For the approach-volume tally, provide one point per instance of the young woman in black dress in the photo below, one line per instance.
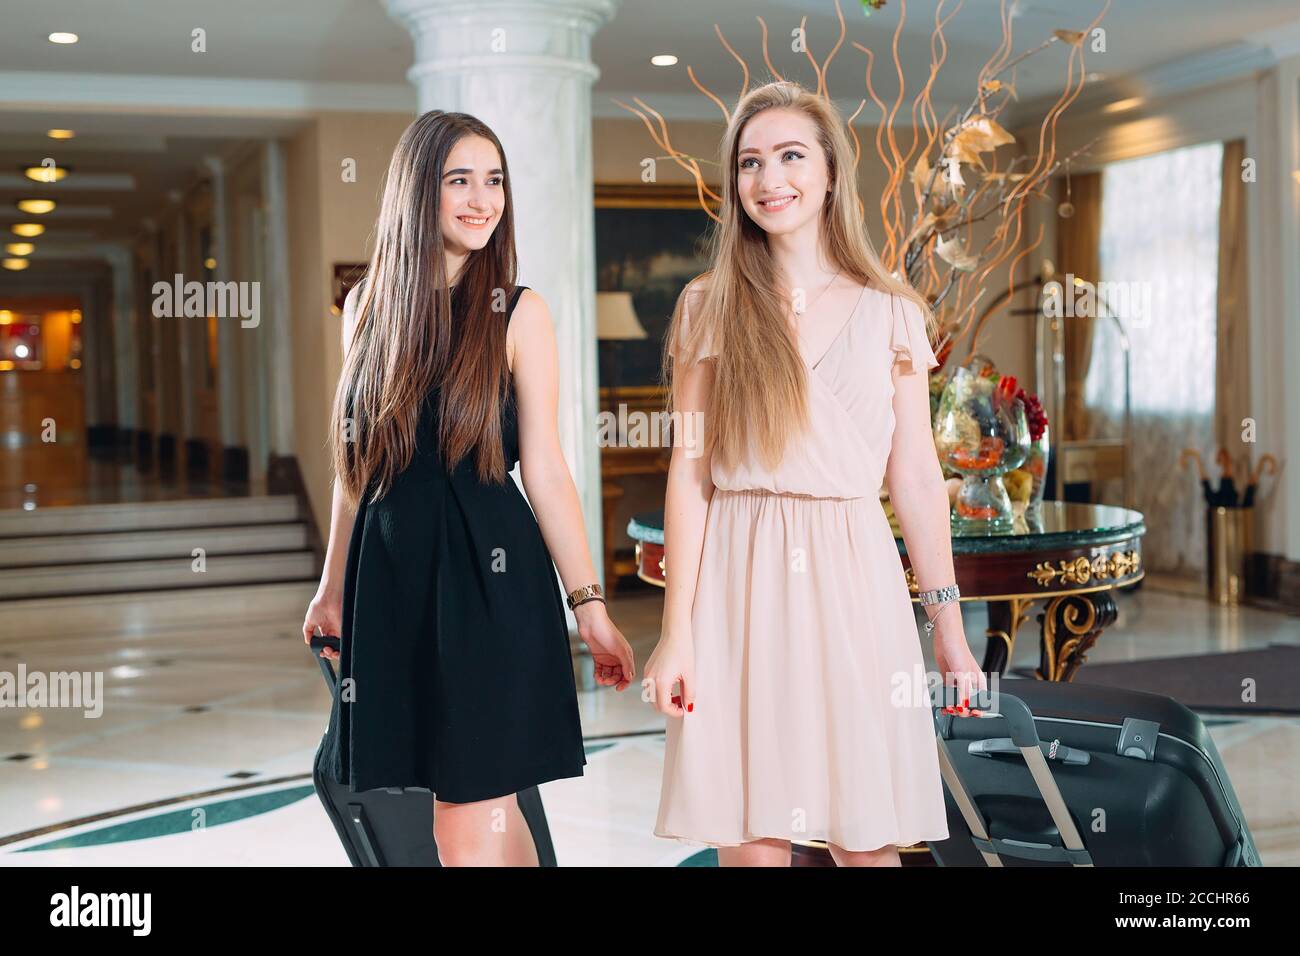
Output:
(455, 671)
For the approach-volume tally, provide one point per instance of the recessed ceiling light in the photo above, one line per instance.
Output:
(1120, 106)
(663, 59)
(28, 230)
(60, 134)
(45, 174)
(63, 38)
(15, 265)
(37, 207)
(1095, 77)
(20, 248)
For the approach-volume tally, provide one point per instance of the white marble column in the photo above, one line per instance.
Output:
(275, 299)
(230, 395)
(125, 344)
(525, 70)
(187, 334)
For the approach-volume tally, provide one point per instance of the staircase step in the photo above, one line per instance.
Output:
(155, 574)
(108, 546)
(145, 515)
(131, 613)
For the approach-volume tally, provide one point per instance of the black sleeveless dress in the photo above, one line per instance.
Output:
(454, 636)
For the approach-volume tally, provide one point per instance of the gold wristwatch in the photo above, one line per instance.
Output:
(588, 592)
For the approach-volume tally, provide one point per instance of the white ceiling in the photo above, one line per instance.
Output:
(142, 102)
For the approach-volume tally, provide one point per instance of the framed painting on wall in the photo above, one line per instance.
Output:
(346, 275)
(650, 242)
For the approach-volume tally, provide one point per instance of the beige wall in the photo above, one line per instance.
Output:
(330, 221)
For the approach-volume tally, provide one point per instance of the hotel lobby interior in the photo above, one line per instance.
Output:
(1101, 201)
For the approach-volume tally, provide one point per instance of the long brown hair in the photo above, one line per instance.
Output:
(413, 334)
(760, 380)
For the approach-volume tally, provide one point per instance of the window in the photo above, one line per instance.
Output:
(1159, 251)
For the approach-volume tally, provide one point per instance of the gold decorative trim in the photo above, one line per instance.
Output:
(1116, 565)
(639, 195)
(1019, 614)
(1064, 653)
(1039, 595)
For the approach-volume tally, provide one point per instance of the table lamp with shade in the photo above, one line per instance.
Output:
(616, 322)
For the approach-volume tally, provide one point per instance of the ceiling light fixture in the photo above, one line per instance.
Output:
(663, 59)
(59, 37)
(60, 133)
(45, 174)
(37, 207)
(15, 265)
(28, 230)
(20, 248)
(1120, 106)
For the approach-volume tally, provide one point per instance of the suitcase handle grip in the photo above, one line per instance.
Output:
(321, 641)
(1019, 718)
(1024, 737)
(1005, 745)
(318, 643)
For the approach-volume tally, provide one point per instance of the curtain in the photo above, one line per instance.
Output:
(1160, 248)
(1232, 379)
(1077, 240)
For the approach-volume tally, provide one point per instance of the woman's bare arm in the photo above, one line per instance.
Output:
(531, 350)
(325, 613)
(542, 466)
(686, 503)
(918, 493)
(341, 516)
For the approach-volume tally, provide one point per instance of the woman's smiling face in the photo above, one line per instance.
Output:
(781, 173)
(473, 195)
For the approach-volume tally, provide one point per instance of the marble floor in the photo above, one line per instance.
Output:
(213, 710)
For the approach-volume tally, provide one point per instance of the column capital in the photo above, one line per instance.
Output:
(538, 36)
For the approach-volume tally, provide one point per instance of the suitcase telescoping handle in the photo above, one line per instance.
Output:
(1024, 737)
(318, 643)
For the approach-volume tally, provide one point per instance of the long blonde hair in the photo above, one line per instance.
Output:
(760, 379)
(414, 335)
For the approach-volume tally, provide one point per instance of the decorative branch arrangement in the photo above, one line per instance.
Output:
(947, 179)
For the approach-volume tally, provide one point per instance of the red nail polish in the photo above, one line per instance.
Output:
(677, 700)
(690, 708)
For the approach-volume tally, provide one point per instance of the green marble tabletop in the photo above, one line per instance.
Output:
(1056, 524)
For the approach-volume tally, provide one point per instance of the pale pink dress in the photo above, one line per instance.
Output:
(808, 724)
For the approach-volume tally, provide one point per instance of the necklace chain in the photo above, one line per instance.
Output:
(819, 295)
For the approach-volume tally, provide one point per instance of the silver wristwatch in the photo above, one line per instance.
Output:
(940, 595)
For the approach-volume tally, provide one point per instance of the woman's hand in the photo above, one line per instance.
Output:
(326, 613)
(958, 668)
(673, 661)
(609, 649)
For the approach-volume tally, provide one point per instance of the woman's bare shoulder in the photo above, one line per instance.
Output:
(529, 324)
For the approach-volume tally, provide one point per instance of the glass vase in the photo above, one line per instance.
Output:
(980, 433)
(1036, 464)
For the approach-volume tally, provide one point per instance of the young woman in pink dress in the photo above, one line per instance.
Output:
(803, 712)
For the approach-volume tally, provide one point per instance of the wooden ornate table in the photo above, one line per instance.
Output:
(1071, 556)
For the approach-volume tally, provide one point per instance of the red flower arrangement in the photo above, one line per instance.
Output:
(1034, 413)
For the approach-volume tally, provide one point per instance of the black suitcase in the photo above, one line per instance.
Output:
(394, 826)
(1084, 775)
